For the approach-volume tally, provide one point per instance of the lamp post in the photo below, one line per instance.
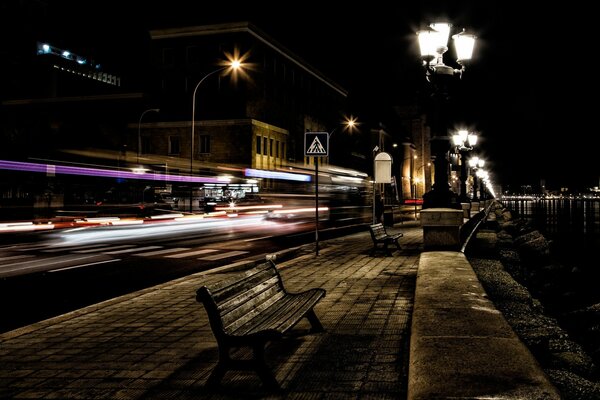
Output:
(415, 183)
(463, 142)
(232, 65)
(433, 43)
(476, 164)
(483, 183)
(139, 138)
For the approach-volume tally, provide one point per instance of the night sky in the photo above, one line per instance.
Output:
(530, 90)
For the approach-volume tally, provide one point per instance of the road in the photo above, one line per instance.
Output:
(55, 272)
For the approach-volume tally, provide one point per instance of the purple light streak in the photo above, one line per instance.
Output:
(107, 173)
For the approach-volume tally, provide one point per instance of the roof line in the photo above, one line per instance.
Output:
(257, 33)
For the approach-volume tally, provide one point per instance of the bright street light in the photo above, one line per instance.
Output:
(232, 65)
(433, 44)
(463, 142)
(476, 164)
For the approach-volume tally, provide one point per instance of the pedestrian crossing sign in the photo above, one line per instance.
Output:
(316, 144)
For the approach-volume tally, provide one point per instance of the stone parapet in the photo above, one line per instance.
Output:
(441, 228)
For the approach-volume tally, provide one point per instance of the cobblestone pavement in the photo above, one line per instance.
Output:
(157, 343)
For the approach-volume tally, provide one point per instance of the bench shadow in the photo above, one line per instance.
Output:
(349, 365)
(189, 380)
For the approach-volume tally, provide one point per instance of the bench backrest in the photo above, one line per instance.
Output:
(377, 231)
(233, 302)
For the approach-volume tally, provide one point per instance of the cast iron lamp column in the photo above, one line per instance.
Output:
(433, 44)
(232, 65)
(475, 163)
(459, 140)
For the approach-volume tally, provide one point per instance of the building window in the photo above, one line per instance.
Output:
(271, 147)
(283, 150)
(204, 143)
(277, 149)
(265, 144)
(173, 144)
(258, 145)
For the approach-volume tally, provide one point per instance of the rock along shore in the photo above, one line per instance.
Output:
(538, 297)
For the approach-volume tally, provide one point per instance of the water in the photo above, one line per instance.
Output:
(573, 224)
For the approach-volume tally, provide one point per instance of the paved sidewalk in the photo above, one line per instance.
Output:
(157, 344)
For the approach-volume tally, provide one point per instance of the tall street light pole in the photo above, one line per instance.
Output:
(464, 142)
(139, 136)
(233, 65)
(433, 43)
(476, 164)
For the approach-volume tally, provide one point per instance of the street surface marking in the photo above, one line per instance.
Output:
(192, 253)
(159, 252)
(223, 255)
(85, 265)
(39, 264)
(16, 257)
(131, 250)
(66, 248)
(123, 246)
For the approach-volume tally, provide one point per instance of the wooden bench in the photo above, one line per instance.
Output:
(381, 239)
(251, 309)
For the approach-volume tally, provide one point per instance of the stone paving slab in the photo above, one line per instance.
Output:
(157, 343)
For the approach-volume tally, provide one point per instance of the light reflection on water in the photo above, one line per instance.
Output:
(573, 224)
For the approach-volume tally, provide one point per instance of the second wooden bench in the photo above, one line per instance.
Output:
(381, 239)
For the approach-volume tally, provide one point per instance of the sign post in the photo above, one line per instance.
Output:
(316, 144)
(383, 174)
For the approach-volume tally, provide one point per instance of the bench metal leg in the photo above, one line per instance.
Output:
(222, 366)
(398, 245)
(314, 322)
(262, 368)
(257, 364)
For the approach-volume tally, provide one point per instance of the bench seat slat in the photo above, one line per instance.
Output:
(283, 314)
(241, 276)
(247, 294)
(221, 296)
(287, 317)
(250, 310)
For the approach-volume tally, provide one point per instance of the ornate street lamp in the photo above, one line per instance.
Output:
(433, 43)
(463, 142)
(476, 164)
